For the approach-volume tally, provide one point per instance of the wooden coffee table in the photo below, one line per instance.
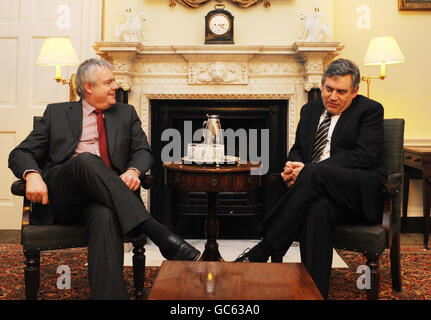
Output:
(183, 280)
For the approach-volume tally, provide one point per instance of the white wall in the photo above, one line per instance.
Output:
(275, 25)
(26, 89)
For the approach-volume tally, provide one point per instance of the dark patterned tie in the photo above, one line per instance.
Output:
(321, 138)
(101, 131)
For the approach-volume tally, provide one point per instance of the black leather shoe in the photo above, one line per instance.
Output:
(180, 250)
(243, 256)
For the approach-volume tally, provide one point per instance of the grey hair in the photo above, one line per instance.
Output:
(343, 67)
(85, 73)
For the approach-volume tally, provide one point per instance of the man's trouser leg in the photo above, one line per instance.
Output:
(338, 185)
(316, 240)
(105, 253)
(84, 190)
(321, 197)
(86, 178)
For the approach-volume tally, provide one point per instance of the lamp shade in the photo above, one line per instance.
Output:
(383, 50)
(57, 52)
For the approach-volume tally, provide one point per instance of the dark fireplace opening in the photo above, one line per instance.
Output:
(239, 213)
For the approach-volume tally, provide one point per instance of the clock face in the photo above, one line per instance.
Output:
(219, 24)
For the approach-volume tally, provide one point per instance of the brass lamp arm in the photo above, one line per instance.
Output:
(365, 78)
(62, 80)
(73, 96)
(368, 81)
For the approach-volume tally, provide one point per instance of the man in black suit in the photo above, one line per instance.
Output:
(334, 174)
(82, 164)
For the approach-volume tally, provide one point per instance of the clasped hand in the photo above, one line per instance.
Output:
(291, 171)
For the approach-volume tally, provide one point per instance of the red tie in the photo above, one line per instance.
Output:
(101, 131)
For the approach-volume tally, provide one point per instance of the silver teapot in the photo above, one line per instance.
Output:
(213, 133)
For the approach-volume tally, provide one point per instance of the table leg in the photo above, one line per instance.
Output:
(211, 252)
(426, 206)
(405, 201)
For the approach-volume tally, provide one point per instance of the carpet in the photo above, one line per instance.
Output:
(12, 274)
(415, 275)
(415, 268)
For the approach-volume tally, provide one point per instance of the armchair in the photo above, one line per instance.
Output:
(35, 239)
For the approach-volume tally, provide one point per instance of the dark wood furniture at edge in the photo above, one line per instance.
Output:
(211, 179)
(181, 280)
(417, 165)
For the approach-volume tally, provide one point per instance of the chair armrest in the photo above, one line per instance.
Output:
(275, 179)
(392, 185)
(18, 188)
(147, 181)
(390, 190)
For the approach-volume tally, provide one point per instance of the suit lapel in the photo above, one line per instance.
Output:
(340, 123)
(74, 118)
(111, 124)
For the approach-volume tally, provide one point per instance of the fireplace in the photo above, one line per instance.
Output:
(239, 213)
(218, 77)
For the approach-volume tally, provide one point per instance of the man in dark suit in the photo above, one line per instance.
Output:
(334, 174)
(82, 164)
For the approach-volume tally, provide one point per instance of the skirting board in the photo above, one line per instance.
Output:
(229, 250)
(417, 142)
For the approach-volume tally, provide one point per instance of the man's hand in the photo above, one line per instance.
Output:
(35, 188)
(291, 171)
(131, 179)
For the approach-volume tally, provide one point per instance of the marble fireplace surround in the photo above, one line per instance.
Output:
(218, 72)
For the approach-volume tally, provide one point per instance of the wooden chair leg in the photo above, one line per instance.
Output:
(32, 274)
(374, 264)
(139, 269)
(396, 263)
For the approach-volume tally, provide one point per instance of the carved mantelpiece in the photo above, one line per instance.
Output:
(316, 56)
(218, 72)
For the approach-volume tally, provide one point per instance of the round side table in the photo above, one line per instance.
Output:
(211, 179)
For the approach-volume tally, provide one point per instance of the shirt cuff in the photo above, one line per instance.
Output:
(134, 169)
(28, 171)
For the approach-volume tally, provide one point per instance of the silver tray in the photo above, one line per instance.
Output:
(228, 160)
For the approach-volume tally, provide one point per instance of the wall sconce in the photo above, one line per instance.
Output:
(59, 52)
(382, 51)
